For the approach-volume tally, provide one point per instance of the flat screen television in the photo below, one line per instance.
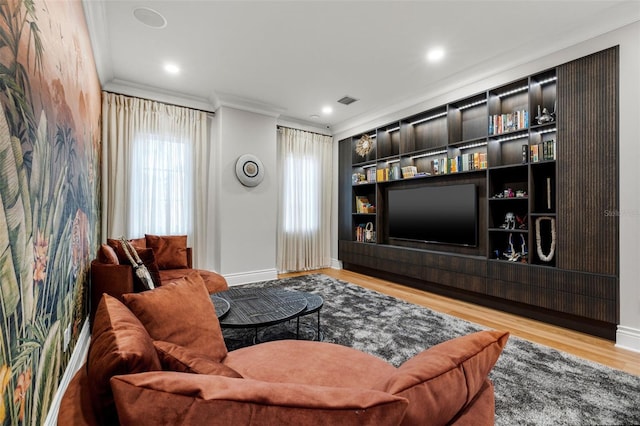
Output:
(434, 214)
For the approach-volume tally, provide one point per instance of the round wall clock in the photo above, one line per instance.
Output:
(249, 170)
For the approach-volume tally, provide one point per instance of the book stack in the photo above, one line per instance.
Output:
(503, 123)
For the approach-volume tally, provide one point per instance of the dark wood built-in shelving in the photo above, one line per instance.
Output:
(555, 174)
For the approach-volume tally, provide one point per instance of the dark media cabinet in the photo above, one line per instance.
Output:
(490, 140)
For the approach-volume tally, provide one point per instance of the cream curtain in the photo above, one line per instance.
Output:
(155, 171)
(305, 171)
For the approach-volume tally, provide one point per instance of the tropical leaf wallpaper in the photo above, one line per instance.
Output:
(49, 196)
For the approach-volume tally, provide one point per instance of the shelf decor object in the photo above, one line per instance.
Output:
(364, 146)
(552, 248)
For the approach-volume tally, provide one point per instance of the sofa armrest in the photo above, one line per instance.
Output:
(115, 280)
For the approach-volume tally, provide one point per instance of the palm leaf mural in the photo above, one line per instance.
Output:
(14, 223)
(48, 218)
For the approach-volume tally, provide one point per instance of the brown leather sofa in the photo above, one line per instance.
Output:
(112, 274)
(155, 360)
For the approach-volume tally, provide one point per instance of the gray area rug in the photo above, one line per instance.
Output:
(534, 384)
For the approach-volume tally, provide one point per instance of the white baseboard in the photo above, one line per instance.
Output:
(75, 362)
(251, 277)
(336, 264)
(628, 338)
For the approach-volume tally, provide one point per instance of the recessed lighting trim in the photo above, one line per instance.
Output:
(149, 17)
(327, 110)
(314, 116)
(172, 68)
(435, 55)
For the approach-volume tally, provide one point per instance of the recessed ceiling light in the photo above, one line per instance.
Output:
(149, 17)
(171, 68)
(327, 110)
(435, 54)
(314, 116)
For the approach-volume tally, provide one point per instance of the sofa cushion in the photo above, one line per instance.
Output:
(178, 358)
(329, 365)
(179, 398)
(180, 313)
(212, 280)
(119, 345)
(440, 381)
(170, 250)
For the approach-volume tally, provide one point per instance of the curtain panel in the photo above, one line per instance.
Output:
(155, 171)
(305, 170)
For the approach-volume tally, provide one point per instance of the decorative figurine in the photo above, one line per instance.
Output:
(509, 221)
(522, 222)
(544, 117)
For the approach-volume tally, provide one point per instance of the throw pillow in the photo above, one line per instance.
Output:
(119, 345)
(170, 250)
(180, 313)
(441, 380)
(146, 255)
(184, 360)
(108, 255)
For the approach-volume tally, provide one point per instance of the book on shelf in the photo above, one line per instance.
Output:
(364, 235)
(502, 123)
(371, 174)
(460, 163)
(382, 175)
(543, 151)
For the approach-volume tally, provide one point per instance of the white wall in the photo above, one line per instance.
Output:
(245, 216)
(628, 38)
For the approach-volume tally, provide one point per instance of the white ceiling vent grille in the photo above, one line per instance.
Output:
(347, 100)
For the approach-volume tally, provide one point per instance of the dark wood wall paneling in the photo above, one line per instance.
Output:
(587, 164)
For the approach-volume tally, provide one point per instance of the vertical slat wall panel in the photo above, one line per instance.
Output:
(587, 162)
(344, 199)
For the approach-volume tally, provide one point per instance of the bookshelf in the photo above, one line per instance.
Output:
(544, 247)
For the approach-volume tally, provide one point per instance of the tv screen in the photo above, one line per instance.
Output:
(434, 214)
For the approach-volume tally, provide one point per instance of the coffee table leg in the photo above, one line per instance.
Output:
(298, 328)
(319, 325)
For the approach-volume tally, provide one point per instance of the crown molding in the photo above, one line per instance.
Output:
(157, 94)
(220, 99)
(295, 123)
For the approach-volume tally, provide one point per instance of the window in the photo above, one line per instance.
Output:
(160, 193)
(301, 194)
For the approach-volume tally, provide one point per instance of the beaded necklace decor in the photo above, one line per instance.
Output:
(552, 248)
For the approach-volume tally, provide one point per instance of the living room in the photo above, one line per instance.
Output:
(244, 250)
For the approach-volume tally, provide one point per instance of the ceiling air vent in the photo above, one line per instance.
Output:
(347, 100)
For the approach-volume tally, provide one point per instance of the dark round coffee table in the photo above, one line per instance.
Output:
(314, 304)
(260, 307)
(221, 306)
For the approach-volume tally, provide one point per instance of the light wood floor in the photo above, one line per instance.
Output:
(582, 345)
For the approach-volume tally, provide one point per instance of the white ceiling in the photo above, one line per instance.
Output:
(291, 58)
